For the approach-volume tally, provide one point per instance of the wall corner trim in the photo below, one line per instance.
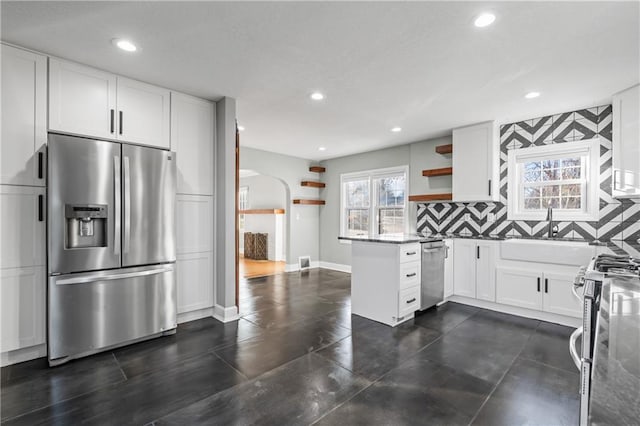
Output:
(227, 314)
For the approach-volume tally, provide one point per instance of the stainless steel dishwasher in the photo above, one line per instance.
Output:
(432, 282)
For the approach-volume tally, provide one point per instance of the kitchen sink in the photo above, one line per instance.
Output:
(547, 251)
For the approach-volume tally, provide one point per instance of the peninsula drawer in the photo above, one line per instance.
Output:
(409, 274)
(408, 301)
(409, 253)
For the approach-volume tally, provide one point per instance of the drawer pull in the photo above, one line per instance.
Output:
(410, 253)
(411, 300)
(413, 274)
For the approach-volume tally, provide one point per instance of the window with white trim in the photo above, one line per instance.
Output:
(562, 176)
(374, 202)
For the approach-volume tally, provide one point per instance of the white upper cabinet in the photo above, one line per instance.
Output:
(192, 138)
(89, 102)
(143, 113)
(476, 163)
(82, 100)
(24, 117)
(626, 143)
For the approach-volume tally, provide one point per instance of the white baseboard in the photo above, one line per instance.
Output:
(521, 312)
(336, 266)
(21, 355)
(293, 267)
(195, 315)
(227, 314)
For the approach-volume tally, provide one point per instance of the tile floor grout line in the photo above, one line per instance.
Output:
(115, 358)
(214, 353)
(493, 390)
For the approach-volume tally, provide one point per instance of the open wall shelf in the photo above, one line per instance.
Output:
(262, 211)
(309, 202)
(317, 169)
(444, 149)
(438, 172)
(431, 197)
(312, 184)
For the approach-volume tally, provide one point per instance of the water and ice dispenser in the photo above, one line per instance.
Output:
(86, 225)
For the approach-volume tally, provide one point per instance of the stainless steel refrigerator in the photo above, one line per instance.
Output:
(111, 245)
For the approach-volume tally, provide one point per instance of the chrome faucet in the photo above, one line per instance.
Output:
(552, 230)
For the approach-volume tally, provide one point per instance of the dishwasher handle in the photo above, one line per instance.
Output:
(572, 347)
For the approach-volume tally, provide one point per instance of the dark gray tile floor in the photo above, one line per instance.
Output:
(298, 356)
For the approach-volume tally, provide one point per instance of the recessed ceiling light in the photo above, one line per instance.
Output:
(396, 129)
(317, 96)
(532, 95)
(484, 20)
(125, 45)
(322, 148)
(241, 128)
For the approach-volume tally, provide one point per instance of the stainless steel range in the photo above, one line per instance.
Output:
(610, 337)
(111, 245)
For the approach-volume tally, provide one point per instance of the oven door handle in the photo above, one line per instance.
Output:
(574, 290)
(572, 347)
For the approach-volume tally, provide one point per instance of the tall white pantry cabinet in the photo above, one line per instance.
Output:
(22, 204)
(193, 139)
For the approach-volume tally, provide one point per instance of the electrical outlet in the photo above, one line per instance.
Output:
(467, 217)
(491, 217)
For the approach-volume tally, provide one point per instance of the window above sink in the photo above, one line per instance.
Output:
(563, 176)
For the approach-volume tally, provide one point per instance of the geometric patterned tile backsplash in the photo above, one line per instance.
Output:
(619, 220)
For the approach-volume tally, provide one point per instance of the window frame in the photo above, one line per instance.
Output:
(242, 189)
(589, 148)
(370, 176)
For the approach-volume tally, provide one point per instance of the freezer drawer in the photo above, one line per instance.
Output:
(89, 312)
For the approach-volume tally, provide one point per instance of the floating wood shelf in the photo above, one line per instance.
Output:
(431, 197)
(309, 202)
(438, 172)
(262, 211)
(312, 184)
(444, 149)
(317, 169)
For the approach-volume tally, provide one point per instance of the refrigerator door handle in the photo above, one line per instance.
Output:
(115, 276)
(116, 205)
(127, 206)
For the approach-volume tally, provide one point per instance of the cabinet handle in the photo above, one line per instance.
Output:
(411, 300)
(538, 284)
(120, 121)
(40, 165)
(410, 253)
(40, 208)
(546, 285)
(489, 186)
(112, 126)
(478, 252)
(413, 274)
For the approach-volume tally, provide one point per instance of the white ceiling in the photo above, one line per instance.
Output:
(421, 66)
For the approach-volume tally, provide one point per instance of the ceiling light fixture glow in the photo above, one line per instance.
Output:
(241, 128)
(484, 20)
(322, 148)
(317, 96)
(396, 129)
(125, 45)
(532, 95)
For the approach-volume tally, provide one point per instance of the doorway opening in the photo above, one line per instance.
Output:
(261, 219)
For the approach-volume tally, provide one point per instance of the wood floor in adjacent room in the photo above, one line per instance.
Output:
(250, 268)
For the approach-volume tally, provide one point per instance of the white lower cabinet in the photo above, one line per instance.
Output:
(537, 289)
(22, 307)
(474, 269)
(385, 281)
(195, 281)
